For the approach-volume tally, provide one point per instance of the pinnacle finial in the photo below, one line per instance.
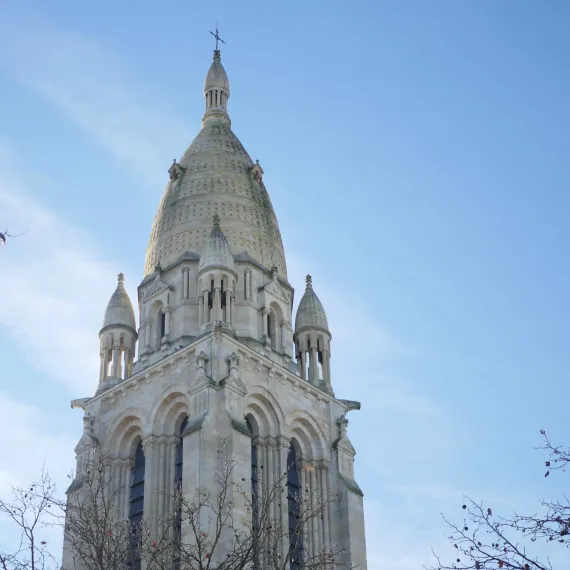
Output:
(121, 278)
(216, 224)
(309, 282)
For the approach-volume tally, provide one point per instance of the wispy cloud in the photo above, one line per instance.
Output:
(92, 86)
(55, 285)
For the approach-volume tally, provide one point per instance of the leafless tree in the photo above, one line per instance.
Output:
(5, 235)
(484, 540)
(230, 527)
(237, 528)
(31, 510)
(98, 535)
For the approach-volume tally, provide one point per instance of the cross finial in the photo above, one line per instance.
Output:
(217, 36)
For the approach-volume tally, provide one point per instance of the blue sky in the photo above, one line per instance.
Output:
(416, 156)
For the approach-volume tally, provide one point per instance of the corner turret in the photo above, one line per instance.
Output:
(312, 339)
(117, 338)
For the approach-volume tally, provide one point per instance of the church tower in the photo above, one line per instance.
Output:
(219, 361)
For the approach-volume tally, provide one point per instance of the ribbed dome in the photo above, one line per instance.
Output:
(215, 176)
(311, 313)
(217, 78)
(217, 252)
(120, 310)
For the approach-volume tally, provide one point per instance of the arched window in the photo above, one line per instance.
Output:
(294, 507)
(136, 501)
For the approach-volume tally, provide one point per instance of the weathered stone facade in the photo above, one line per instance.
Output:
(216, 347)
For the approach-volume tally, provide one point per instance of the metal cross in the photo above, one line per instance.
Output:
(217, 36)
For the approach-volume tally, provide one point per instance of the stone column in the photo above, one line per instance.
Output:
(303, 496)
(282, 346)
(325, 500)
(167, 317)
(313, 525)
(217, 305)
(142, 338)
(129, 464)
(171, 458)
(233, 310)
(329, 536)
(102, 368)
(115, 365)
(303, 360)
(206, 309)
(161, 485)
(200, 310)
(227, 316)
(271, 476)
(149, 447)
(313, 366)
(284, 445)
(147, 336)
(129, 363)
(117, 467)
(264, 313)
(185, 283)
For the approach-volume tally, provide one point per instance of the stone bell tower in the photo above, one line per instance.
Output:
(218, 356)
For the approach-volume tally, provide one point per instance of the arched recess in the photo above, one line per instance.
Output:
(159, 323)
(124, 434)
(169, 410)
(265, 410)
(309, 434)
(274, 320)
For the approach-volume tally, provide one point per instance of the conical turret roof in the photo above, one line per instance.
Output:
(120, 309)
(311, 313)
(217, 78)
(217, 252)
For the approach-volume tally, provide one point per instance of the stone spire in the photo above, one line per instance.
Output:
(311, 313)
(120, 309)
(217, 252)
(216, 92)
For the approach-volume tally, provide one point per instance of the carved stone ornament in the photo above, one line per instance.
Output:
(234, 377)
(256, 172)
(175, 171)
(201, 361)
(155, 287)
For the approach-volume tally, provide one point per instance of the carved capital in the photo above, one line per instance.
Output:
(149, 442)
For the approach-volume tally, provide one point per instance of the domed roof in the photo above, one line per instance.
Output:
(215, 176)
(217, 251)
(120, 310)
(311, 313)
(217, 78)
